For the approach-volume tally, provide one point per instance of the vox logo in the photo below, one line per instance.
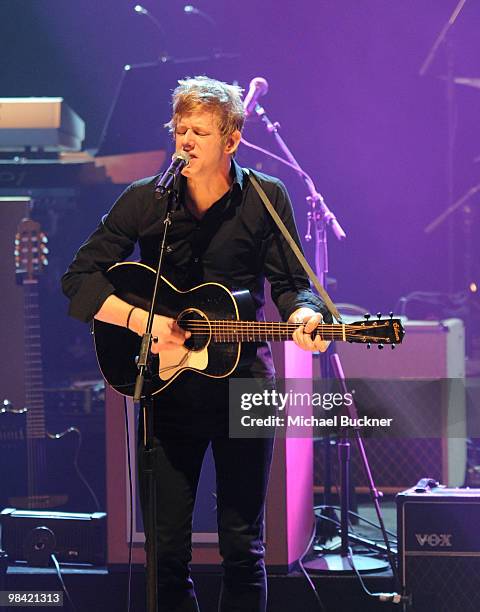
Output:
(434, 539)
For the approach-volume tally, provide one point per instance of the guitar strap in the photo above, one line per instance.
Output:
(293, 245)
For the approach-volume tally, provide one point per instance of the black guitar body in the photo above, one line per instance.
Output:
(117, 347)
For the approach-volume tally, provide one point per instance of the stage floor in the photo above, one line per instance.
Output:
(105, 589)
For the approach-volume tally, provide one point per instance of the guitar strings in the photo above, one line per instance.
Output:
(325, 337)
(266, 325)
(251, 334)
(35, 416)
(224, 328)
(258, 327)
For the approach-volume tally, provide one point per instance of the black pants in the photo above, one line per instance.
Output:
(242, 468)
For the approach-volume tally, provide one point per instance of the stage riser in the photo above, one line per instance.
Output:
(101, 592)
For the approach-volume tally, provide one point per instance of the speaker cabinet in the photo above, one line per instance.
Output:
(439, 549)
(32, 535)
(421, 384)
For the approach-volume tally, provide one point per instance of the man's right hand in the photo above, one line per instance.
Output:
(166, 333)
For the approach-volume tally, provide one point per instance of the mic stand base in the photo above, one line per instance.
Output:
(338, 564)
(327, 529)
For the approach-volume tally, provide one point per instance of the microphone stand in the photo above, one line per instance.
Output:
(322, 218)
(143, 380)
(319, 213)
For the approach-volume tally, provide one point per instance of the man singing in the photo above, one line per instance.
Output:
(220, 232)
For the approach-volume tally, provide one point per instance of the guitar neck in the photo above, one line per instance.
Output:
(34, 390)
(261, 331)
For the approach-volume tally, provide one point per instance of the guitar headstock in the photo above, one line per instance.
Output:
(30, 250)
(382, 332)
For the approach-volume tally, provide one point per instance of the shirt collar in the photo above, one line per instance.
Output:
(238, 182)
(238, 174)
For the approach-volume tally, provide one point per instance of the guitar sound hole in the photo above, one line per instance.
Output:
(196, 322)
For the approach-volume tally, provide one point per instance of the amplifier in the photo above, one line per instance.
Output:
(31, 536)
(414, 392)
(439, 548)
(86, 399)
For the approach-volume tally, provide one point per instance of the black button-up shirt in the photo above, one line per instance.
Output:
(235, 243)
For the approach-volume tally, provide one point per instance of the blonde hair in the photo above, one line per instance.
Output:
(209, 94)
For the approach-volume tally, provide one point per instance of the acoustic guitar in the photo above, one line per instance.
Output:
(222, 325)
(38, 469)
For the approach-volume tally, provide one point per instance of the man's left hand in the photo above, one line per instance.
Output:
(309, 320)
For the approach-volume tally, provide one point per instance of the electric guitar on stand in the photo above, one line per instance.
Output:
(222, 326)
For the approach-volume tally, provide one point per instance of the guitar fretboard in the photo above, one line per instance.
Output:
(34, 391)
(261, 331)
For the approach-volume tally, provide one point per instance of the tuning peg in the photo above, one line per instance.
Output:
(393, 346)
(369, 346)
(379, 315)
(380, 346)
(367, 315)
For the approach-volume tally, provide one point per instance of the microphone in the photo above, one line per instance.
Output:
(258, 87)
(180, 160)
